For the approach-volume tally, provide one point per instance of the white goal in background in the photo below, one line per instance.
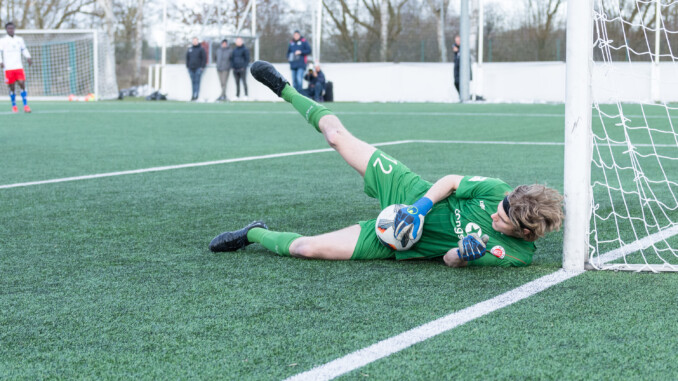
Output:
(68, 62)
(621, 153)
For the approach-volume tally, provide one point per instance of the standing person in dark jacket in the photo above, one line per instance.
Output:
(316, 83)
(297, 53)
(223, 59)
(457, 63)
(240, 58)
(457, 53)
(196, 60)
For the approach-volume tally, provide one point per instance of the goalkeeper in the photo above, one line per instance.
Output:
(455, 211)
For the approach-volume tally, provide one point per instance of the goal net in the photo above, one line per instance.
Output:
(634, 156)
(68, 62)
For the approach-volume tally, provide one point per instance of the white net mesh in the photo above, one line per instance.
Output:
(634, 172)
(64, 64)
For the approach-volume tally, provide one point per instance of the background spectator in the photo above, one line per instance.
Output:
(297, 55)
(196, 60)
(223, 59)
(240, 58)
(457, 53)
(316, 83)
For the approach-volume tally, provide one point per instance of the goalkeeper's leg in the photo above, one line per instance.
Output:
(337, 245)
(355, 152)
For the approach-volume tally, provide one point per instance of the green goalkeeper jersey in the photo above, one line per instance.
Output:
(468, 211)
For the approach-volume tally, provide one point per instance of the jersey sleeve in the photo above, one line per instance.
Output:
(24, 50)
(482, 187)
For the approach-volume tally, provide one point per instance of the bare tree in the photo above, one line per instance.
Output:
(106, 9)
(542, 19)
(109, 18)
(346, 29)
(139, 40)
(383, 10)
(381, 20)
(438, 8)
(632, 32)
(275, 23)
(45, 14)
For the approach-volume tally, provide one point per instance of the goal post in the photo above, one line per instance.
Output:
(577, 169)
(68, 62)
(621, 136)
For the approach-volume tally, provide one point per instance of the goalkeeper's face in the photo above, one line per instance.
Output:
(501, 222)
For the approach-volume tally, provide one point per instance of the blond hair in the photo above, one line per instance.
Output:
(536, 208)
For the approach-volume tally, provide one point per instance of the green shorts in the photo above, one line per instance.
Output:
(390, 182)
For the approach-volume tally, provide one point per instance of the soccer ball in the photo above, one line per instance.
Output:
(385, 228)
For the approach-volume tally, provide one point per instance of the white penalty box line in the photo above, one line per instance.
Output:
(252, 158)
(397, 343)
(278, 155)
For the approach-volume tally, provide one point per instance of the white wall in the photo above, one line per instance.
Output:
(433, 82)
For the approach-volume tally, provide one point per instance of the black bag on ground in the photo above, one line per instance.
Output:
(156, 96)
(329, 92)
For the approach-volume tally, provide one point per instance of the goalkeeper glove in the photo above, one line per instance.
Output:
(472, 247)
(409, 219)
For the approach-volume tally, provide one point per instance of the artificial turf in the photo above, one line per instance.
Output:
(111, 278)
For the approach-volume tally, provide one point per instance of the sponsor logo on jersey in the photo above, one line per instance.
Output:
(472, 227)
(498, 252)
(457, 229)
(477, 178)
(482, 204)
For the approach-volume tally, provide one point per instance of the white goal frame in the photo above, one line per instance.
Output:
(578, 190)
(578, 146)
(97, 59)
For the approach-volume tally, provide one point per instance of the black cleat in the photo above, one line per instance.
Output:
(265, 73)
(235, 240)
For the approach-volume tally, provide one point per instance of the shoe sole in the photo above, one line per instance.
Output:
(260, 70)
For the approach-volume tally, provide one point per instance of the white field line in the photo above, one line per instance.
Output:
(254, 112)
(416, 335)
(250, 158)
(284, 154)
(638, 245)
(364, 113)
(164, 168)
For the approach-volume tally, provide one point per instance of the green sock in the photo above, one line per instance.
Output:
(308, 108)
(278, 242)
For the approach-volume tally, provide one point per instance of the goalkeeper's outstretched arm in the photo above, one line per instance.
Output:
(409, 219)
(443, 188)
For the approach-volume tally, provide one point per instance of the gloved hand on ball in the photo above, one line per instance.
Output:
(472, 247)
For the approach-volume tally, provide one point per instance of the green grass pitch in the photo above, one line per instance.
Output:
(111, 278)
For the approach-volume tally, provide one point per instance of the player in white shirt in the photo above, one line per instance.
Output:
(11, 49)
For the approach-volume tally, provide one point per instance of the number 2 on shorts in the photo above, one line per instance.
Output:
(390, 167)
